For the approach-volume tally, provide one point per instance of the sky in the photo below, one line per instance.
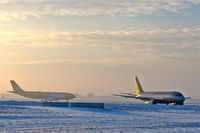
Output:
(92, 46)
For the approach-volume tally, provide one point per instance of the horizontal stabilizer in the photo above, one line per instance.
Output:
(127, 93)
(126, 96)
(11, 91)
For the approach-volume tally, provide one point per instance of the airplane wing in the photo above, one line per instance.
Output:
(51, 99)
(130, 95)
(11, 91)
(54, 97)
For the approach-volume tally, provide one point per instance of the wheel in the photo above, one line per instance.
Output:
(154, 102)
(181, 103)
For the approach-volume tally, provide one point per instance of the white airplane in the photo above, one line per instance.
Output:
(45, 96)
(154, 97)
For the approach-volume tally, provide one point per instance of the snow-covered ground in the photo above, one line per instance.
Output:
(116, 117)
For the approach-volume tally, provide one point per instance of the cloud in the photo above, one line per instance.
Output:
(104, 61)
(22, 9)
(143, 42)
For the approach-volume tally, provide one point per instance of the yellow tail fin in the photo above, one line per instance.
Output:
(138, 87)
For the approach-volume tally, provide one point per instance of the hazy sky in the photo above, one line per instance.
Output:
(98, 46)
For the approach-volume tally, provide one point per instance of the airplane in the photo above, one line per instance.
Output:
(154, 97)
(44, 96)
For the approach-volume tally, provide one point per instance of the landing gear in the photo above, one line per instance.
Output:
(181, 103)
(154, 102)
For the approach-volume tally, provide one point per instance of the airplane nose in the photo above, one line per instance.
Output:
(183, 98)
(72, 96)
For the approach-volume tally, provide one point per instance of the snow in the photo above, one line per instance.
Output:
(114, 118)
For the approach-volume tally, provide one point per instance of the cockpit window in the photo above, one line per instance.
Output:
(179, 94)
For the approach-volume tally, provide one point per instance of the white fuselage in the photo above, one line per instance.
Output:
(162, 97)
(49, 96)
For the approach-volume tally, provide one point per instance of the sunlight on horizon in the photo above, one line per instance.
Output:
(99, 46)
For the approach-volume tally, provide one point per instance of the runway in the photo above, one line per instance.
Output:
(114, 118)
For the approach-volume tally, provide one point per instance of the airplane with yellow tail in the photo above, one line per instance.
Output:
(165, 97)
